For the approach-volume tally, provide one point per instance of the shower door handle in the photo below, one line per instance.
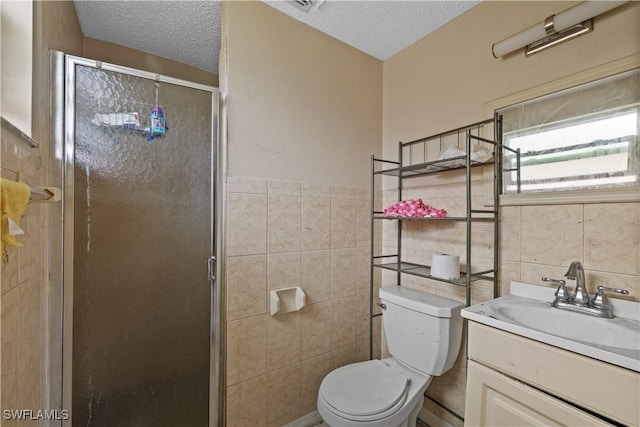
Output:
(211, 268)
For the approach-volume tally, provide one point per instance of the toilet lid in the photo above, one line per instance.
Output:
(365, 389)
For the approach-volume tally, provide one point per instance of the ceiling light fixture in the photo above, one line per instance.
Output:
(559, 37)
(555, 29)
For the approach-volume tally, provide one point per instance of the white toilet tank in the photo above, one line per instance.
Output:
(422, 330)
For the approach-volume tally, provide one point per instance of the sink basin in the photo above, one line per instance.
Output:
(617, 332)
(527, 312)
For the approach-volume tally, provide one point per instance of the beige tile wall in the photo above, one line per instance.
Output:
(535, 241)
(23, 311)
(283, 234)
(604, 237)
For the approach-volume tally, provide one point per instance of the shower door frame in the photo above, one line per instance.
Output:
(62, 157)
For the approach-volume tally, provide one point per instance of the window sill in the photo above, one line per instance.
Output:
(607, 195)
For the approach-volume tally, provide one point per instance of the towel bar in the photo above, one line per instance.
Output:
(45, 194)
(42, 194)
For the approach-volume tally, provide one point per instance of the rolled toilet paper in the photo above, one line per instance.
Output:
(445, 266)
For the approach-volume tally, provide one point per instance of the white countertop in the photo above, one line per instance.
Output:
(570, 331)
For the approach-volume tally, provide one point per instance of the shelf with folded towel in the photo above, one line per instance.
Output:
(450, 158)
(433, 167)
(45, 194)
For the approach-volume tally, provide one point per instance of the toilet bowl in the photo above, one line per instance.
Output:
(423, 333)
(375, 393)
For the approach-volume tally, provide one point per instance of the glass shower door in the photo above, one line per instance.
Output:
(143, 234)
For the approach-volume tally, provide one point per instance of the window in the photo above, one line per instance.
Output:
(585, 137)
(16, 41)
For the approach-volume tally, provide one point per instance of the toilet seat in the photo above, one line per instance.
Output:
(365, 391)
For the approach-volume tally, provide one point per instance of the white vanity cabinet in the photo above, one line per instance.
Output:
(516, 381)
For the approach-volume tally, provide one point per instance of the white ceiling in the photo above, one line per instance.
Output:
(189, 31)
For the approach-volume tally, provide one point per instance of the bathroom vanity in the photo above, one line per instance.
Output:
(526, 368)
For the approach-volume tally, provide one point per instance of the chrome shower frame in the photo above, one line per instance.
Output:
(60, 298)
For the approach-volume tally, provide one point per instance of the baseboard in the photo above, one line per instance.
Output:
(310, 419)
(431, 419)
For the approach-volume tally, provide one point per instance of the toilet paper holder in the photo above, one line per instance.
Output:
(286, 300)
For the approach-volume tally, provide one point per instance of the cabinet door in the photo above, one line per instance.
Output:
(493, 399)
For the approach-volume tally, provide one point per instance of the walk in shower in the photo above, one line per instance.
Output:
(139, 302)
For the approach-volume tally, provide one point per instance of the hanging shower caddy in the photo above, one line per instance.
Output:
(138, 117)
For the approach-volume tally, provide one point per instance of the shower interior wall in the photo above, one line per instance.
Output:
(27, 380)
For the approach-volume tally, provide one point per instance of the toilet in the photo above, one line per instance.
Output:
(423, 333)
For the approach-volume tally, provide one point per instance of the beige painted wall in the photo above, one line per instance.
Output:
(304, 116)
(133, 58)
(301, 105)
(444, 81)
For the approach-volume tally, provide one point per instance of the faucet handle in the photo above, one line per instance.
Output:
(558, 281)
(600, 300)
(561, 293)
(602, 290)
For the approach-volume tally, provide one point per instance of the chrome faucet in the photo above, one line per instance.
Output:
(580, 295)
(580, 301)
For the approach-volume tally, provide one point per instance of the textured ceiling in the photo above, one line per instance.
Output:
(189, 31)
(379, 28)
(185, 31)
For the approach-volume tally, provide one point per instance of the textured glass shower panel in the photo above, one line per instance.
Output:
(142, 298)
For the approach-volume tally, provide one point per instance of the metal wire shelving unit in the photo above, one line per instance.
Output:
(406, 168)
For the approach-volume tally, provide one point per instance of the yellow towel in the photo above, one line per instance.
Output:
(14, 197)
